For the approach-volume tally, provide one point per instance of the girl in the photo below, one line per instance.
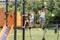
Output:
(42, 17)
(30, 19)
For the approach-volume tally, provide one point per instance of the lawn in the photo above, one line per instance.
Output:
(36, 34)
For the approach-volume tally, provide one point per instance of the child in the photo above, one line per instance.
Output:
(42, 17)
(30, 19)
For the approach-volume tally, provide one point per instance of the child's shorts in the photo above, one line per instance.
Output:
(42, 19)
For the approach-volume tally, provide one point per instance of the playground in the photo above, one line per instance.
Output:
(30, 20)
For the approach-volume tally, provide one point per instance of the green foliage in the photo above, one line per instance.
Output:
(54, 12)
(11, 8)
(36, 17)
(48, 15)
(37, 5)
(58, 12)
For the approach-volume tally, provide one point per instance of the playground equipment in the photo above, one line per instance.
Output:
(19, 22)
(7, 29)
(10, 23)
(44, 34)
(2, 15)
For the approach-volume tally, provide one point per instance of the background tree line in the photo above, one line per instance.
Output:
(53, 7)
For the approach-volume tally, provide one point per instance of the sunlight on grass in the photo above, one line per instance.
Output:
(36, 34)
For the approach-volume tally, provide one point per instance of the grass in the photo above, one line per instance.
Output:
(36, 34)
